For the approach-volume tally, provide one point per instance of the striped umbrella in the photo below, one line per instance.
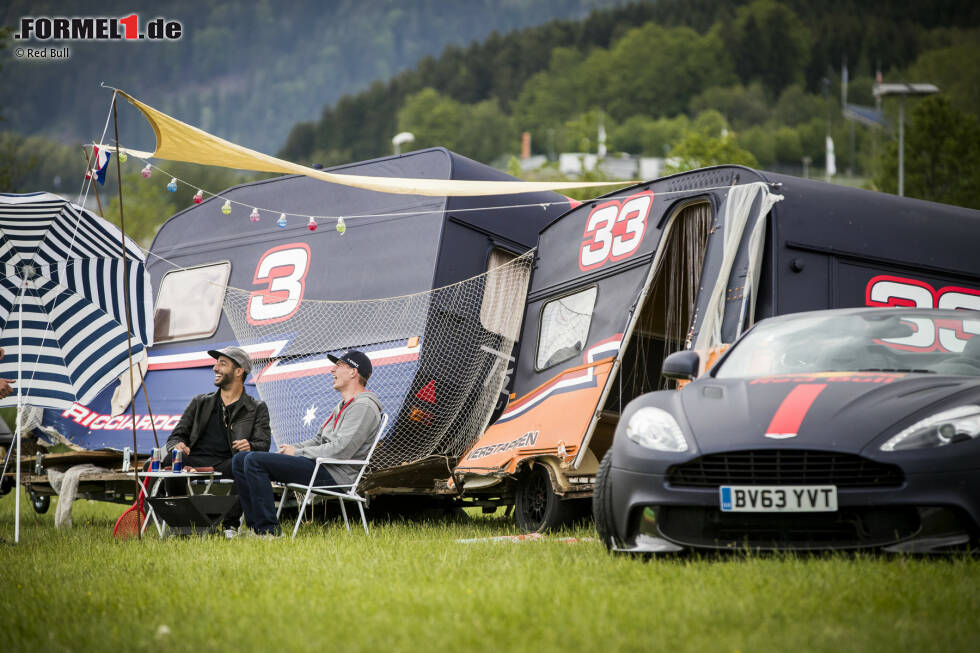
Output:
(63, 301)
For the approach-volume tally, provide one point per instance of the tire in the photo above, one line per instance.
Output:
(537, 508)
(6, 485)
(602, 503)
(40, 502)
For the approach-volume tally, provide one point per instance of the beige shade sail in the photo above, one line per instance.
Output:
(178, 141)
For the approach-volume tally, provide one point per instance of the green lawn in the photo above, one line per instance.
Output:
(412, 587)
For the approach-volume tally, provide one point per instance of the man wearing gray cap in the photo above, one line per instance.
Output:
(218, 424)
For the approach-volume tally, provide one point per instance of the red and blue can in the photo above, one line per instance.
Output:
(156, 460)
(178, 460)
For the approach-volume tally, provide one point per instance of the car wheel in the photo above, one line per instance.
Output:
(40, 502)
(536, 506)
(6, 485)
(602, 503)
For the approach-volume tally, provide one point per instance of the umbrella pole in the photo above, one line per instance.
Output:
(129, 325)
(20, 405)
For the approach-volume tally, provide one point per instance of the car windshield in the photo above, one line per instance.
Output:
(936, 342)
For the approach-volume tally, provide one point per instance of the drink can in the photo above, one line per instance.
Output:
(126, 462)
(178, 459)
(156, 460)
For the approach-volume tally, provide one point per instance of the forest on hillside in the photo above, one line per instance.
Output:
(758, 82)
(766, 74)
(246, 70)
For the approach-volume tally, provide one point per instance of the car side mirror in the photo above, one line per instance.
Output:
(682, 365)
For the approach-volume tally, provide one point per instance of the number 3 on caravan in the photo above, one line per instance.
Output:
(282, 270)
(614, 230)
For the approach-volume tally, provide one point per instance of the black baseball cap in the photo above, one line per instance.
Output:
(356, 359)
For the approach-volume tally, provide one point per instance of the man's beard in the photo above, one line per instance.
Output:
(223, 381)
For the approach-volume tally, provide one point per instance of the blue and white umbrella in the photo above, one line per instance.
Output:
(64, 292)
(63, 297)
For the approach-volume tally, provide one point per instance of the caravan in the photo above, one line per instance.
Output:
(505, 387)
(690, 261)
(286, 303)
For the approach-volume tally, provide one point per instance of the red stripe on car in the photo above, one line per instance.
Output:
(786, 422)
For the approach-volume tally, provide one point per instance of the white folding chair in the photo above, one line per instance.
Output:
(343, 492)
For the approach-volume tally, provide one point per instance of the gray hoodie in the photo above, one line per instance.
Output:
(348, 434)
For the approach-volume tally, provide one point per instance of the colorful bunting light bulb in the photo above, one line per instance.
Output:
(123, 157)
(146, 171)
(311, 225)
(282, 222)
(172, 186)
(254, 215)
(226, 207)
(88, 174)
(199, 196)
(341, 226)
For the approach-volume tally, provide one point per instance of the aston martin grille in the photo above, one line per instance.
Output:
(784, 467)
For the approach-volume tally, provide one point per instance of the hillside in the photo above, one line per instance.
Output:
(247, 71)
(766, 73)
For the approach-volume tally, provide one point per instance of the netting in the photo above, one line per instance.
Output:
(440, 359)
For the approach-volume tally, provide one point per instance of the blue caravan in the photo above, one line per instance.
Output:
(292, 294)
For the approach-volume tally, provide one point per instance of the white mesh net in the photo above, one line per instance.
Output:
(440, 360)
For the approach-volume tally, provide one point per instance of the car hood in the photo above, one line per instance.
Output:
(844, 411)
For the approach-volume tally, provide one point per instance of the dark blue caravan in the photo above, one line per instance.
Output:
(200, 250)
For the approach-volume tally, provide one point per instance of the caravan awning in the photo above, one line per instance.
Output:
(178, 141)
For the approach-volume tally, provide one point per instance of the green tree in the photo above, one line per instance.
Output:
(145, 207)
(581, 134)
(696, 150)
(487, 133)
(795, 106)
(4, 41)
(942, 155)
(742, 106)
(657, 71)
(769, 43)
(955, 70)
(640, 134)
(761, 142)
(17, 162)
(550, 97)
(433, 118)
(711, 123)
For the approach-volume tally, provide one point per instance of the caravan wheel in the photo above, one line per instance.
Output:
(536, 506)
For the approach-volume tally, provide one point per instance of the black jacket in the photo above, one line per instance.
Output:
(249, 421)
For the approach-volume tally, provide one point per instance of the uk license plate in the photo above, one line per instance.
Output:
(778, 498)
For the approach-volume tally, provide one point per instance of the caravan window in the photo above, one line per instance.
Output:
(189, 302)
(565, 327)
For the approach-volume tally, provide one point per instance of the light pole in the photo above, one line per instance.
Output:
(901, 90)
(401, 138)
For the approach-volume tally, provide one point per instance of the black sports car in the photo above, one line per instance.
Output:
(844, 429)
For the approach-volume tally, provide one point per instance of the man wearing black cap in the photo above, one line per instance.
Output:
(347, 433)
(218, 424)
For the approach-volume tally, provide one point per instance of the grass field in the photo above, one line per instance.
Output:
(413, 587)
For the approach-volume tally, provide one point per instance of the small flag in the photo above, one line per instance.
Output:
(101, 157)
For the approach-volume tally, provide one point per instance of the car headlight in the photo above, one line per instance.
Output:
(657, 429)
(955, 425)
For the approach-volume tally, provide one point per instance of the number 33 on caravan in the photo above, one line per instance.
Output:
(282, 271)
(614, 230)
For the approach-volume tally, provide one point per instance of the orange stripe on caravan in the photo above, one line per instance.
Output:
(517, 403)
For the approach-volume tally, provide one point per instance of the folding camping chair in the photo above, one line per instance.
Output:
(343, 492)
